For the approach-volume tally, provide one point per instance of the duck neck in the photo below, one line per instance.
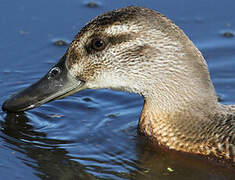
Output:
(179, 126)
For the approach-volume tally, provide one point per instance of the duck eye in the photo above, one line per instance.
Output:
(98, 44)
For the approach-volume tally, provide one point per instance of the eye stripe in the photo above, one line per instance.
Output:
(108, 40)
(118, 39)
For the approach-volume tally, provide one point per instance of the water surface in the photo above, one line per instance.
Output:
(93, 134)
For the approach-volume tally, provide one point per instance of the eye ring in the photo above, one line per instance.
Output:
(98, 44)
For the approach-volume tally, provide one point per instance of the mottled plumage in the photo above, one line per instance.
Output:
(139, 50)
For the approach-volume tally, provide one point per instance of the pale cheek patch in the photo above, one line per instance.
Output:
(75, 69)
(112, 81)
(103, 81)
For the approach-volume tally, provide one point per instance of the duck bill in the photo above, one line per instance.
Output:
(56, 84)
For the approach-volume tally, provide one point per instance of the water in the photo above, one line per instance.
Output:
(93, 134)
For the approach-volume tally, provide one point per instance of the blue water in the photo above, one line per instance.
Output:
(93, 134)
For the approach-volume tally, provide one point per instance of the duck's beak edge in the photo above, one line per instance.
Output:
(56, 84)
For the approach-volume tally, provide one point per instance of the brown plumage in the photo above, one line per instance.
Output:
(139, 50)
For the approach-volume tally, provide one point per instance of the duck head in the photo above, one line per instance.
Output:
(131, 49)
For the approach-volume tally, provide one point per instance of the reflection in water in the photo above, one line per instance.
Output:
(50, 160)
(160, 163)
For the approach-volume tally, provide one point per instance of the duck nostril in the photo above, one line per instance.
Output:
(54, 72)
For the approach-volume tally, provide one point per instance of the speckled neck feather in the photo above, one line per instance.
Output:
(206, 133)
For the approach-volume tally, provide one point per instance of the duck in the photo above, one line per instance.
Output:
(139, 50)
